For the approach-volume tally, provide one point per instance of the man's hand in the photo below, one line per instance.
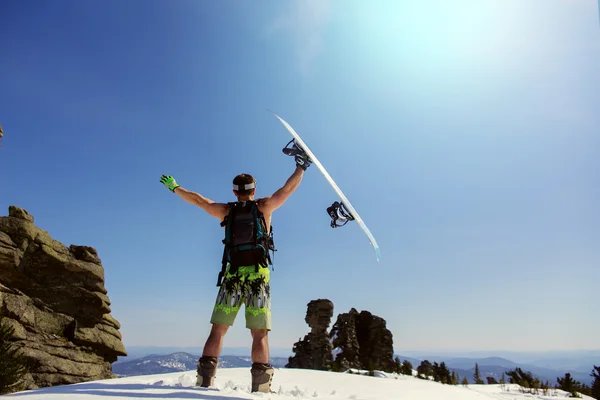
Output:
(169, 182)
(303, 161)
(300, 156)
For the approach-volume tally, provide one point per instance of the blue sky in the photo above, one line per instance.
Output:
(465, 133)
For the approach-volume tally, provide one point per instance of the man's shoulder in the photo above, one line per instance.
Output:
(263, 205)
(263, 201)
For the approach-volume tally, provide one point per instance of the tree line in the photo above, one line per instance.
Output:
(534, 385)
(525, 379)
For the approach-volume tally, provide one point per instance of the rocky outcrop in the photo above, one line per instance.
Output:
(54, 297)
(362, 341)
(344, 339)
(314, 352)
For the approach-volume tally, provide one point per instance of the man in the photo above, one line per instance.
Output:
(243, 283)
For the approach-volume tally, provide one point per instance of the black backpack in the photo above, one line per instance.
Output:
(246, 239)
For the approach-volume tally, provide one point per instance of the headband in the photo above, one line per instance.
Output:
(247, 186)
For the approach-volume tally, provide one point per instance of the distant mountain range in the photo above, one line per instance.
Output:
(181, 361)
(135, 352)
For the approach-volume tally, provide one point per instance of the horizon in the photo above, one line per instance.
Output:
(279, 351)
(464, 134)
(420, 350)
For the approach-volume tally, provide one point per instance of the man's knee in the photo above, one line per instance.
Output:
(219, 330)
(259, 334)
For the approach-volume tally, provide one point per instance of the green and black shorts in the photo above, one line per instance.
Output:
(249, 287)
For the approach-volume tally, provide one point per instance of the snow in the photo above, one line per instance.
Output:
(167, 364)
(173, 364)
(297, 384)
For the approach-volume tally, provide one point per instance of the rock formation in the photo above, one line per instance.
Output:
(344, 340)
(314, 352)
(362, 341)
(55, 299)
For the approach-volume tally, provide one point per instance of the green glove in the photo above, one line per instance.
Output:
(169, 182)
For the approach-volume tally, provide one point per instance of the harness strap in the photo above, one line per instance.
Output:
(224, 261)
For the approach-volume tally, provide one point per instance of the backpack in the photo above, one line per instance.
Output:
(246, 239)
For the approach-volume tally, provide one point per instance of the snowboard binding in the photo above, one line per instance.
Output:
(293, 150)
(339, 215)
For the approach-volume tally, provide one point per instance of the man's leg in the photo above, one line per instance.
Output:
(260, 346)
(207, 364)
(262, 371)
(214, 343)
(226, 308)
(258, 320)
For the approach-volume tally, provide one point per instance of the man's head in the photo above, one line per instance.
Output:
(244, 186)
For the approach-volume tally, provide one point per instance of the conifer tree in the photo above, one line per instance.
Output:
(406, 368)
(595, 389)
(12, 363)
(454, 378)
(425, 368)
(568, 384)
(465, 382)
(503, 381)
(436, 372)
(477, 376)
(545, 386)
(444, 373)
(525, 379)
(397, 365)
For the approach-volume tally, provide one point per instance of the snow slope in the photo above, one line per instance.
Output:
(234, 383)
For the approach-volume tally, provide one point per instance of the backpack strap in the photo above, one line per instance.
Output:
(268, 239)
(232, 208)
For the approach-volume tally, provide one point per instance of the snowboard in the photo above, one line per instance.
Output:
(345, 201)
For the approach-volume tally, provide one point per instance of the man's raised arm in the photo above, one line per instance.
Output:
(275, 201)
(217, 210)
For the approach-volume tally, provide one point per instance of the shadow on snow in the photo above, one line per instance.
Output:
(132, 390)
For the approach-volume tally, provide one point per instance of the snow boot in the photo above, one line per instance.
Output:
(207, 369)
(262, 375)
